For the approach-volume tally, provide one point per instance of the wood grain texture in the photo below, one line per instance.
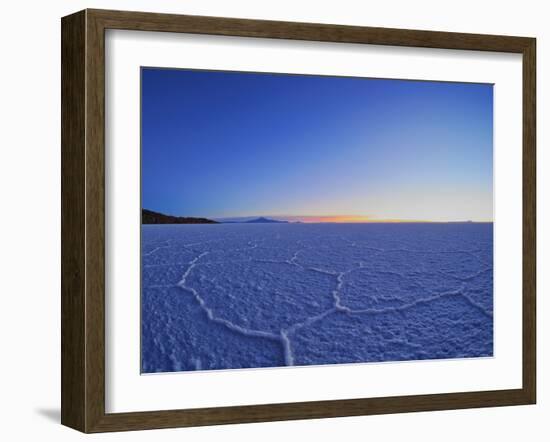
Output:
(95, 221)
(83, 220)
(529, 221)
(145, 21)
(73, 128)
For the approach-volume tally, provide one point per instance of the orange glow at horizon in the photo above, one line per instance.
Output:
(339, 219)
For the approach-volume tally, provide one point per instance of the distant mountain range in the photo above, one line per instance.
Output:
(263, 220)
(150, 217)
(251, 220)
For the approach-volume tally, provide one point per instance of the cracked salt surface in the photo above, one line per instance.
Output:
(241, 296)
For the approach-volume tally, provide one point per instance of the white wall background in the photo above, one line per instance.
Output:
(30, 216)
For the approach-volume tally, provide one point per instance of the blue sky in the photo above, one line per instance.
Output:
(229, 144)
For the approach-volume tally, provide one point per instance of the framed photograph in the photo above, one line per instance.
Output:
(270, 220)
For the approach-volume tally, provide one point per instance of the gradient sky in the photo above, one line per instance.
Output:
(230, 144)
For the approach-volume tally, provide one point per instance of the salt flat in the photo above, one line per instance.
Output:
(225, 296)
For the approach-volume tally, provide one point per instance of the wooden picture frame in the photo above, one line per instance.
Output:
(83, 220)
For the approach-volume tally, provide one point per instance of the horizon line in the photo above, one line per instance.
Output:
(344, 219)
(374, 221)
(328, 219)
